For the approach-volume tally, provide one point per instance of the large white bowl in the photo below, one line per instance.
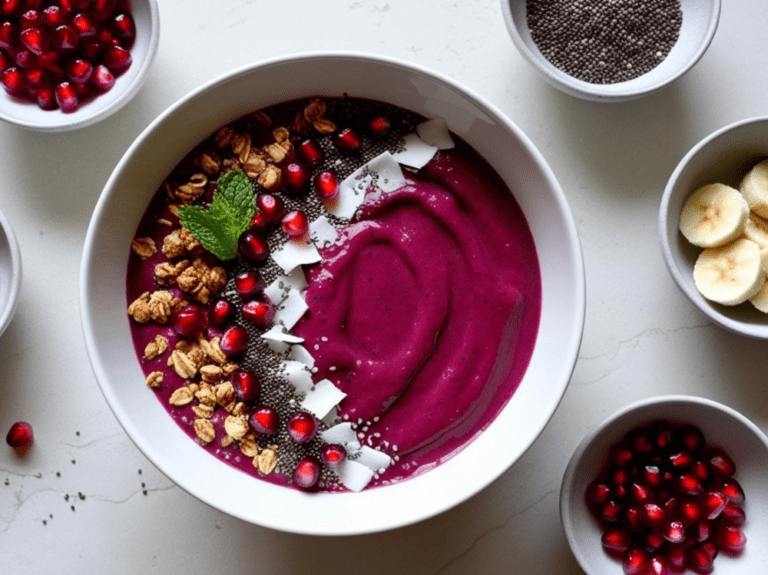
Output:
(151, 158)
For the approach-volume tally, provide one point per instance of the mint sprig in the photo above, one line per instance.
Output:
(219, 227)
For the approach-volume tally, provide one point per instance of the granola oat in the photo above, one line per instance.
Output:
(205, 430)
(267, 460)
(181, 397)
(157, 346)
(144, 247)
(154, 379)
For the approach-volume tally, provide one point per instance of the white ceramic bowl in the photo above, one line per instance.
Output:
(724, 156)
(722, 427)
(10, 273)
(151, 158)
(28, 115)
(700, 18)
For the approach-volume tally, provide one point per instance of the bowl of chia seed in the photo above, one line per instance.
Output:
(611, 50)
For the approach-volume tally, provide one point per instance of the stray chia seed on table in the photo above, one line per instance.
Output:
(604, 41)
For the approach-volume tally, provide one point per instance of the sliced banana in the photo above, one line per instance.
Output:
(754, 186)
(714, 215)
(760, 299)
(757, 230)
(730, 274)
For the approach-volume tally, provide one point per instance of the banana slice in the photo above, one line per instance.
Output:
(754, 186)
(730, 274)
(760, 299)
(757, 230)
(714, 215)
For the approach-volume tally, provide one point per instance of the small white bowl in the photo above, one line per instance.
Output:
(28, 115)
(169, 138)
(724, 156)
(722, 427)
(10, 273)
(700, 18)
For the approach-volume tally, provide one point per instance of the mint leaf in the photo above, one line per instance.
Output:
(219, 227)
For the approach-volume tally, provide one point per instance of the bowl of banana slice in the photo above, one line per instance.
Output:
(713, 224)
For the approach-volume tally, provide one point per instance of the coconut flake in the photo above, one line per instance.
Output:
(277, 333)
(300, 353)
(290, 310)
(435, 133)
(373, 458)
(297, 375)
(278, 347)
(322, 232)
(295, 253)
(354, 476)
(416, 152)
(324, 397)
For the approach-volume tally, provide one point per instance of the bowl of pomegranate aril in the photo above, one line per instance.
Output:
(672, 484)
(66, 64)
(349, 286)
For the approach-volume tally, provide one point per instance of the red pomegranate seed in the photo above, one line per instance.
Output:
(36, 78)
(84, 25)
(711, 548)
(688, 484)
(653, 541)
(640, 493)
(635, 561)
(674, 532)
(26, 60)
(621, 456)
(189, 321)
(619, 476)
(658, 565)
(66, 97)
(105, 37)
(302, 427)
(733, 514)
(53, 16)
(258, 313)
(379, 126)
(35, 40)
(669, 505)
(598, 492)
(616, 539)
(117, 58)
(311, 152)
(65, 37)
(333, 455)
(80, 4)
(689, 438)
(640, 442)
(653, 515)
(611, 511)
(651, 475)
(712, 504)
(20, 434)
(80, 71)
(83, 90)
(46, 98)
(699, 559)
(31, 19)
(66, 5)
(10, 7)
(253, 245)
(680, 460)
(248, 284)
(91, 49)
(632, 518)
(257, 222)
(234, 340)
(7, 35)
(33, 5)
(701, 470)
(246, 384)
(327, 185)
(123, 26)
(347, 140)
(676, 557)
(295, 176)
(688, 512)
(295, 224)
(721, 464)
(264, 420)
(700, 530)
(14, 83)
(730, 538)
(102, 78)
(733, 491)
(307, 472)
(271, 207)
(220, 312)
(5, 61)
(103, 9)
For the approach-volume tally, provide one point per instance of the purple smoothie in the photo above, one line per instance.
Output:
(425, 312)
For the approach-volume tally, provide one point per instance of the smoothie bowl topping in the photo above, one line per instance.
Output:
(333, 294)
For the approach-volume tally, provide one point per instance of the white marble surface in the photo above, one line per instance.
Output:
(84, 497)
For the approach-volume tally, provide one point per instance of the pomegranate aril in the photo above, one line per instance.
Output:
(658, 565)
(80, 4)
(246, 384)
(66, 97)
(621, 456)
(711, 548)
(635, 561)
(117, 58)
(676, 557)
(105, 37)
(701, 470)
(295, 176)
(258, 313)
(84, 25)
(307, 472)
(189, 321)
(220, 312)
(333, 455)
(669, 505)
(26, 60)
(271, 207)
(698, 559)
(651, 475)
(264, 420)
(5, 61)
(65, 37)
(347, 140)
(36, 78)
(619, 476)
(257, 222)
(640, 442)
(102, 78)
(688, 512)
(598, 492)
(80, 71)
(653, 541)
(53, 16)
(680, 460)
(311, 152)
(302, 427)
(712, 504)
(689, 438)
(234, 340)
(733, 491)
(46, 98)
(674, 532)
(295, 224)
(327, 185)
(733, 514)
(83, 90)
(616, 539)
(33, 5)
(688, 484)
(31, 19)
(103, 9)
(91, 50)
(253, 245)
(7, 35)
(123, 26)
(640, 493)
(248, 284)
(610, 511)
(66, 5)
(653, 514)
(722, 465)
(20, 434)
(700, 530)
(632, 518)
(14, 83)
(730, 538)
(379, 126)
(10, 7)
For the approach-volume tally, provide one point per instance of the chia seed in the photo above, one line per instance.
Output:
(604, 41)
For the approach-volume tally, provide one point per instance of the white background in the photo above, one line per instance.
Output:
(642, 337)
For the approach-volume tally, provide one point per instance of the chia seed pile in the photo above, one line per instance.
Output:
(604, 41)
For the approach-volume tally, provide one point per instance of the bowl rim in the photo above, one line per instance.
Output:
(596, 92)
(122, 98)
(570, 353)
(753, 331)
(10, 305)
(566, 492)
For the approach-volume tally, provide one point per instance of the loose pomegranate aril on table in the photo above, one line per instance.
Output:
(234, 340)
(20, 434)
(264, 420)
(258, 313)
